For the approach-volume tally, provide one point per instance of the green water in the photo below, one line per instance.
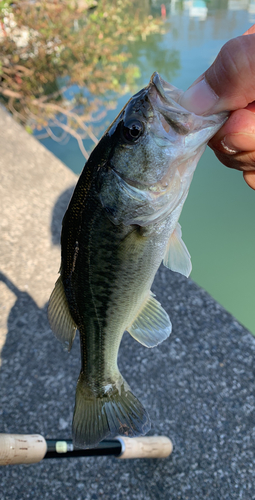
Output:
(218, 216)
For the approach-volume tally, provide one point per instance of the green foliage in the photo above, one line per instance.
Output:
(4, 7)
(29, 129)
(80, 42)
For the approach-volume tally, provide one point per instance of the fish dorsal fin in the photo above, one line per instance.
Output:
(177, 257)
(152, 324)
(60, 319)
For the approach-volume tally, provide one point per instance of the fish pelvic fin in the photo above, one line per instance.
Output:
(60, 319)
(116, 412)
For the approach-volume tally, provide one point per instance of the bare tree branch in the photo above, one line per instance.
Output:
(54, 95)
(72, 115)
(55, 137)
(15, 112)
(10, 93)
(74, 134)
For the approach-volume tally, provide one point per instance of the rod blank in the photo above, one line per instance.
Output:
(64, 449)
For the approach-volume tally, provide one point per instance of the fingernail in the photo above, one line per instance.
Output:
(234, 143)
(199, 98)
(228, 145)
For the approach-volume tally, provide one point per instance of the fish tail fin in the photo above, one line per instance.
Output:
(116, 412)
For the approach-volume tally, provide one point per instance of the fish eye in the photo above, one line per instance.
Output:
(132, 130)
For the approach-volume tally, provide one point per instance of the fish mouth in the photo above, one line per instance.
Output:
(168, 92)
(166, 98)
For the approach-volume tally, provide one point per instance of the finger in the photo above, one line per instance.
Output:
(250, 31)
(249, 178)
(234, 143)
(229, 83)
(237, 134)
(239, 161)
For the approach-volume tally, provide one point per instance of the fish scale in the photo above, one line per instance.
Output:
(122, 221)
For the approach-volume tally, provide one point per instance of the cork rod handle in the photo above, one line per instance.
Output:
(145, 447)
(21, 448)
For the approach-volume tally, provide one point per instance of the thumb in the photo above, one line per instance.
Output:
(229, 83)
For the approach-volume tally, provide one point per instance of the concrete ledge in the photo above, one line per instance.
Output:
(198, 386)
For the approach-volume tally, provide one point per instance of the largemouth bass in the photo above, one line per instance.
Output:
(122, 221)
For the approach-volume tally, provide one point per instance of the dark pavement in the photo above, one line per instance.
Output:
(198, 386)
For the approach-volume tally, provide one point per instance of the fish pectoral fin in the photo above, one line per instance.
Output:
(177, 257)
(60, 319)
(152, 324)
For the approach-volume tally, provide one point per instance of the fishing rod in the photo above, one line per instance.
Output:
(32, 448)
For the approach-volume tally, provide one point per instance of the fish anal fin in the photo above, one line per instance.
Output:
(60, 319)
(152, 324)
(177, 257)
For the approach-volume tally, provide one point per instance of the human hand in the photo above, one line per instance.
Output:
(229, 84)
